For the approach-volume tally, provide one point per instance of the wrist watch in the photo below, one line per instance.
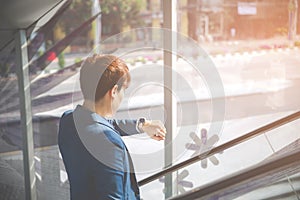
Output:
(140, 123)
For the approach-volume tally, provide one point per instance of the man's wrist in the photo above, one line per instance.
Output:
(140, 123)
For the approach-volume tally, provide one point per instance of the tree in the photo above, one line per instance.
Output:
(76, 14)
(117, 14)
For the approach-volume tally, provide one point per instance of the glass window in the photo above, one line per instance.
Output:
(235, 68)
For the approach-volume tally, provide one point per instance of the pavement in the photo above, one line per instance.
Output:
(215, 48)
(238, 46)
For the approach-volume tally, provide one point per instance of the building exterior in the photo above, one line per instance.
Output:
(257, 19)
(234, 19)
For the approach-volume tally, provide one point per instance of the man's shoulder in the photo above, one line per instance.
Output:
(67, 114)
(111, 134)
(88, 127)
(66, 118)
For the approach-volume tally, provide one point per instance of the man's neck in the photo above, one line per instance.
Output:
(100, 108)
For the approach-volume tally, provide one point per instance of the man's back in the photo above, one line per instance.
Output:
(95, 157)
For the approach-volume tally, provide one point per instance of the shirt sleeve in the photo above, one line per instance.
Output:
(125, 127)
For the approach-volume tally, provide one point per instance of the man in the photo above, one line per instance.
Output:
(96, 159)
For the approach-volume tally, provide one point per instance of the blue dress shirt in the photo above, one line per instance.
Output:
(97, 160)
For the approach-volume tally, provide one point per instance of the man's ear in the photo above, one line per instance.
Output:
(113, 91)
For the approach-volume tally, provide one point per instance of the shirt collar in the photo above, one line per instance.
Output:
(90, 115)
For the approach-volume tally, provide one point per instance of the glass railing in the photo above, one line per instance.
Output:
(274, 170)
(232, 157)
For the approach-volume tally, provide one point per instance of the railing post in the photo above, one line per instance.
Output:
(26, 116)
(169, 45)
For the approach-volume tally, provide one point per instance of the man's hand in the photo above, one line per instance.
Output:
(155, 129)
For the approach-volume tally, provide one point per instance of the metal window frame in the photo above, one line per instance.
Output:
(26, 115)
(170, 104)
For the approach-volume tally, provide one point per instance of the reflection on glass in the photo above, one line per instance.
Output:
(287, 188)
(251, 153)
(254, 47)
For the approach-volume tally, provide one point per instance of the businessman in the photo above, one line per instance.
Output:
(97, 160)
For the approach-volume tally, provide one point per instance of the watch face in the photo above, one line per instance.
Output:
(142, 120)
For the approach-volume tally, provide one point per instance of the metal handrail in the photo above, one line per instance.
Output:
(218, 149)
(249, 179)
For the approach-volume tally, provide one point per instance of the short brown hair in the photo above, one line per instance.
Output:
(100, 73)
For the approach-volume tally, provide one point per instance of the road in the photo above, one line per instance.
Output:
(255, 83)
